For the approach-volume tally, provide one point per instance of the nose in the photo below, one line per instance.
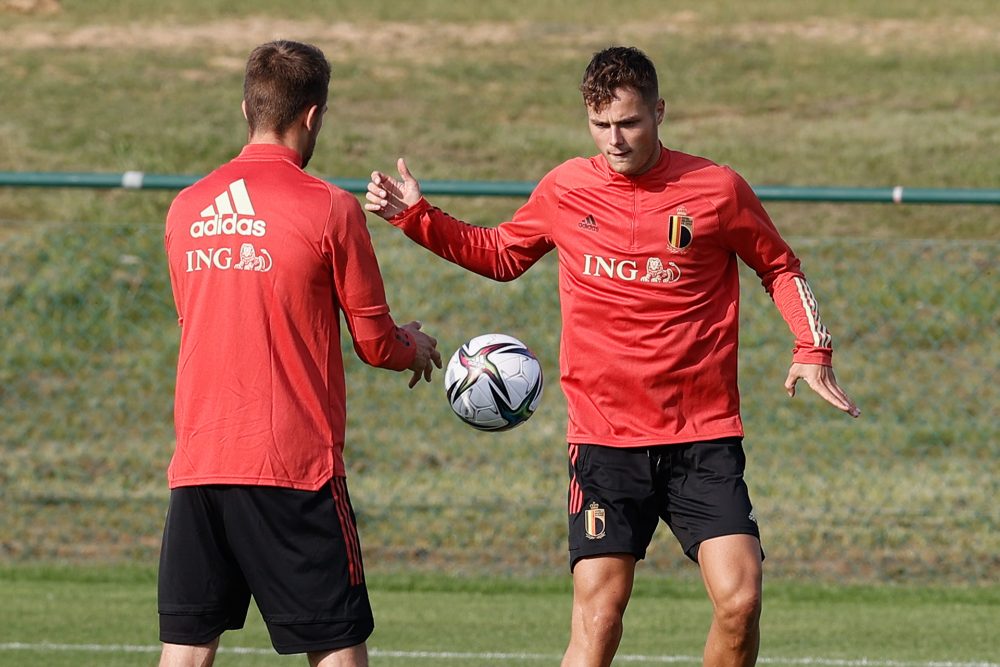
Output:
(616, 135)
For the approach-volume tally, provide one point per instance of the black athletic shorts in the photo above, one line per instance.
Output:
(296, 552)
(617, 496)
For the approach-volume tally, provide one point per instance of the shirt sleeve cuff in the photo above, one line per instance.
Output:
(403, 218)
(813, 355)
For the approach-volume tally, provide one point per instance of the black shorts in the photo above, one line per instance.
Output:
(617, 496)
(296, 552)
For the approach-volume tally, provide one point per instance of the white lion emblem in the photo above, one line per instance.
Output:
(657, 273)
(251, 261)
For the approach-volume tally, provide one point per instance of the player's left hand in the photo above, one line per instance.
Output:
(427, 356)
(821, 380)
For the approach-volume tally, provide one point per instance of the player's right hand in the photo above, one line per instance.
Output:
(427, 355)
(388, 197)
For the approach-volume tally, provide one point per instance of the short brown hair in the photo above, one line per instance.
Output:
(283, 79)
(618, 67)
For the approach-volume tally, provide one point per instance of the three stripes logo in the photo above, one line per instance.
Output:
(820, 334)
(237, 194)
(231, 214)
(589, 224)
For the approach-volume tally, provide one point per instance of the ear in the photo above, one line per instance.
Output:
(661, 108)
(243, 106)
(312, 117)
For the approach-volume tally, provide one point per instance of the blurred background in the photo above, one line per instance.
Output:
(804, 93)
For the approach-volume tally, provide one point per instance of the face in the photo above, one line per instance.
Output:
(625, 132)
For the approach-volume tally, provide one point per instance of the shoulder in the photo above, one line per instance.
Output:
(573, 173)
(337, 195)
(711, 179)
(340, 210)
(197, 196)
(200, 187)
(690, 167)
(321, 194)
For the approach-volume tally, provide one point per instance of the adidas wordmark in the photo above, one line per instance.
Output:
(232, 214)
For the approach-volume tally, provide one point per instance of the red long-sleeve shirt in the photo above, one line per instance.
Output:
(649, 290)
(263, 257)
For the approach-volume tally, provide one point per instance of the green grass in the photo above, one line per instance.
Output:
(803, 93)
(901, 494)
(436, 619)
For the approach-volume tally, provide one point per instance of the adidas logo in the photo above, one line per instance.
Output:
(588, 223)
(231, 215)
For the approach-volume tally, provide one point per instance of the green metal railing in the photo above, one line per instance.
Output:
(139, 180)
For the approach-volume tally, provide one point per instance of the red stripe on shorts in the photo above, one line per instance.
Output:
(575, 492)
(338, 486)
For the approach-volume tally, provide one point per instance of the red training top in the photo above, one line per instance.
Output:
(262, 258)
(649, 290)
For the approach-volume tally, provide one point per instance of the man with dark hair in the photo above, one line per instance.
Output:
(263, 259)
(648, 241)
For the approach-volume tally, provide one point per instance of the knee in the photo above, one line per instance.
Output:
(739, 612)
(602, 624)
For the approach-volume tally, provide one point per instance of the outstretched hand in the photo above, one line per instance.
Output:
(427, 355)
(821, 380)
(388, 197)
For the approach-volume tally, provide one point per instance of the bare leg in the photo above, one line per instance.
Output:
(352, 656)
(182, 655)
(731, 569)
(602, 586)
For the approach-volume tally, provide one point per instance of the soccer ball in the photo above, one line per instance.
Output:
(493, 382)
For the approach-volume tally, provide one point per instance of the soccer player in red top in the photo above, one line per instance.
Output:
(263, 260)
(648, 240)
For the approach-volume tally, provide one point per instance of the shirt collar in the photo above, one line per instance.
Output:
(654, 174)
(271, 152)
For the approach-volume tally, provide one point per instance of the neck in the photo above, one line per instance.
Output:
(653, 159)
(292, 140)
(288, 139)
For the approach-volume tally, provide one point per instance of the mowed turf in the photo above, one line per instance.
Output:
(97, 617)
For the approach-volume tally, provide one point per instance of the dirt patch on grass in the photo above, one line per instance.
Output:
(43, 7)
(421, 40)
(875, 36)
(242, 34)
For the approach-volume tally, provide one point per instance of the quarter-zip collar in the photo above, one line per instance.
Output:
(655, 175)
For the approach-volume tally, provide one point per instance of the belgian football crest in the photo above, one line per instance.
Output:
(680, 230)
(594, 517)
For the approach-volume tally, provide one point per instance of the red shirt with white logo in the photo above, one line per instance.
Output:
(263, 257)
(649, 290)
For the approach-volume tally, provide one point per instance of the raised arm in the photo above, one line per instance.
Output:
(502, 253)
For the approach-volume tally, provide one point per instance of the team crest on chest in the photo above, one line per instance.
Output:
(680, 230)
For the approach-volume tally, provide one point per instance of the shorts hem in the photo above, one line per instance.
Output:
(326, 645)
(576, 555)
(190, 611)
(198, 640)
(691, 551)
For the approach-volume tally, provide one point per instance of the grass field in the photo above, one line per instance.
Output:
(52, 620)
(883, 535)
